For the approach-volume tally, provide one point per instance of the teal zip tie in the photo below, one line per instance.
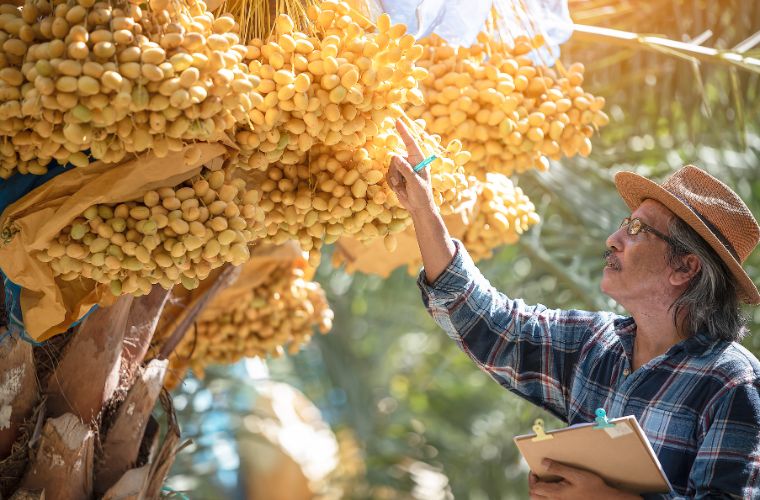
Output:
(424, 163)
(171, 493)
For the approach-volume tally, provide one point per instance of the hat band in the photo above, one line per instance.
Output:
(714, 230)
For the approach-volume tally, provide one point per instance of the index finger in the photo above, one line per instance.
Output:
(415, 154)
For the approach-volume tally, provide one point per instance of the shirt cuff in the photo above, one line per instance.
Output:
(454, 280)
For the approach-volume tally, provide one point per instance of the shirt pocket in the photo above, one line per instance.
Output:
(670, 427)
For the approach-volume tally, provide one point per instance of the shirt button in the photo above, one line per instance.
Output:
(626, 372)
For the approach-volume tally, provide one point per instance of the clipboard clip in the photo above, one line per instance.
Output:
(601, 419)
(538, 428)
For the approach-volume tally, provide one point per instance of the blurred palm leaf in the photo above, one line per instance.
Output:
(695, 82)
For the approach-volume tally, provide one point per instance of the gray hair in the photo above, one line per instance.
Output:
(711, 299)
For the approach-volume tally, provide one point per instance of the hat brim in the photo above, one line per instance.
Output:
(634, 189)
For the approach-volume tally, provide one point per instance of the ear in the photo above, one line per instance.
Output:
(689, 267)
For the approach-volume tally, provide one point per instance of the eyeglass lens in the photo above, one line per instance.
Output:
(633, 226)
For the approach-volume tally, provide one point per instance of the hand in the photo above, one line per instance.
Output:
(413, 190)
(575, 484)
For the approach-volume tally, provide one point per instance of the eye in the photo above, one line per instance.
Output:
(634, 227)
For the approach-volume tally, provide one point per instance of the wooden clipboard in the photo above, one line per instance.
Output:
(621, 454)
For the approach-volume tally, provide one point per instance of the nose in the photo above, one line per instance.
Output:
(615, 240)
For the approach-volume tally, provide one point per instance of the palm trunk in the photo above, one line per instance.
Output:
(76, 412)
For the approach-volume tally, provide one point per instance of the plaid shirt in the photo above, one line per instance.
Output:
(698, 403)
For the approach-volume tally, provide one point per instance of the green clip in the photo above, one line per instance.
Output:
(538, 428)
(601, 419)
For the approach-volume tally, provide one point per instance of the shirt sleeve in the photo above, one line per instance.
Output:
(728, 461)
(531, 350)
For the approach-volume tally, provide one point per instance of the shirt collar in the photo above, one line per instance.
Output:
(624, 325)
(699, 343)
(625, 328)
(696, 345)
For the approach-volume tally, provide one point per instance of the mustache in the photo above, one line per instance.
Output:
(610, 260)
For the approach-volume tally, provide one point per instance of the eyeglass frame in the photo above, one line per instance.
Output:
(643, 226)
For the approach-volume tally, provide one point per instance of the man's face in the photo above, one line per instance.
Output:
(636, 269)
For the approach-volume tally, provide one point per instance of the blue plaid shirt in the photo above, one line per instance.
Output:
(698, 403)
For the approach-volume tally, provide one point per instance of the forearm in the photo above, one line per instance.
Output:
(435, 244)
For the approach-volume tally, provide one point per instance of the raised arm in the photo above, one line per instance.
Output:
(415, 193)
(530, 350)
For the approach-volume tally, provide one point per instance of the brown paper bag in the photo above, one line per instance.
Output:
(50, 305)
(265, 259)
(373, 258)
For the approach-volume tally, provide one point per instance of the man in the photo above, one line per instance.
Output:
(675, 363)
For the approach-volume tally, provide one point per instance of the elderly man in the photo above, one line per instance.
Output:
(675, 363)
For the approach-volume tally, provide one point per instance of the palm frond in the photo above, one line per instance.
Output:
(681, 72)
(685, 50)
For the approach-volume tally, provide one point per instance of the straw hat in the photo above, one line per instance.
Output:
(710, 207)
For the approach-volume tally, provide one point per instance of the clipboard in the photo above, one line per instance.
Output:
(616, 449)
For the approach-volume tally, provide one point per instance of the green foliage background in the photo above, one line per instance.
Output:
(387, 373)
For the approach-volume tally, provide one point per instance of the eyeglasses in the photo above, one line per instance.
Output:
(635, 226)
